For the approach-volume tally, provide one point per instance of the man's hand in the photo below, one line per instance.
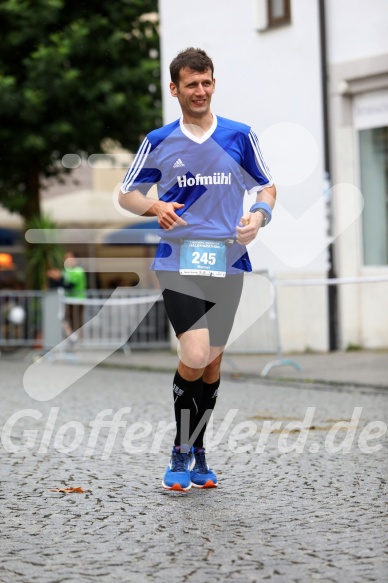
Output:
(250, 224)
(135, 202)
(54, 273)
(165, 212)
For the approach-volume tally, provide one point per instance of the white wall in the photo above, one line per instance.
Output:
(356, 29)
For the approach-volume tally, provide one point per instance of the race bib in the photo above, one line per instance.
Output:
(198, 257)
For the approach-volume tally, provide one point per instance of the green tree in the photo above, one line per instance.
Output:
(73, 73)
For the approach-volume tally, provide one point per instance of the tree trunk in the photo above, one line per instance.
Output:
(32, 206)
(31, 210)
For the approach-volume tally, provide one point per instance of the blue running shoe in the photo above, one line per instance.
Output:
(201, 475)
(177, 476)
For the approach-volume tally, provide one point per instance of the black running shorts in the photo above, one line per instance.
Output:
(194, 301)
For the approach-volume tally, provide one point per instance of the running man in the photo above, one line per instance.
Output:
(203, 165)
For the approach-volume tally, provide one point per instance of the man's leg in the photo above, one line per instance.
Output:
(220, 321)
(210, 384)
(186, 308)
(187, 391)
(201, 475)
(199, 364)
(188, 384)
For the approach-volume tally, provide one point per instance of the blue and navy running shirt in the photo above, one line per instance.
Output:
(209, 175)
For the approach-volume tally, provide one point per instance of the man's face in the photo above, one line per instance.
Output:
(194, 92)
(71, 261)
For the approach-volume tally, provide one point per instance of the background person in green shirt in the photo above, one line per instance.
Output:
(74, 277)
(73, 280)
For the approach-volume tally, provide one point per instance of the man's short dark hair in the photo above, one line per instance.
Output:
(191, 58)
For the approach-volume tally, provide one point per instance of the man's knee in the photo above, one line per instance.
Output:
(195, 357)
(213, 367)
(215, 362)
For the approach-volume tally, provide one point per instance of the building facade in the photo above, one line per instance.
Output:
(311, 78)
(358, 99)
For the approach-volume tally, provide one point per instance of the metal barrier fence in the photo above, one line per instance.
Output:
(28, 318)
(20, 318)
(133, 318)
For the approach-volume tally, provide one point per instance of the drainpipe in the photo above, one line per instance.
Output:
(332, 289)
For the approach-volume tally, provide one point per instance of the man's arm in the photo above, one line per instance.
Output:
(250, 223)
(135, 202)
(267, 195)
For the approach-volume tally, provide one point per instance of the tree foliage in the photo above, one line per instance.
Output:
(72, 73)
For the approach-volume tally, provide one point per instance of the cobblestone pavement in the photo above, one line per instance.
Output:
(282, 517)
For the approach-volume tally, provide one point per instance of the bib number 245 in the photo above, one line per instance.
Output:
(204, 258)
(198, 257)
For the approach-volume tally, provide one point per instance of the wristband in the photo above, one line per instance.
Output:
(265, 209)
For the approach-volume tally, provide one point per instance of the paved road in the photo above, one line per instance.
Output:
(277, 516)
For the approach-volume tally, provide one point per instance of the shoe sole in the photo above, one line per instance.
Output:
(208, 484)
(176, 487)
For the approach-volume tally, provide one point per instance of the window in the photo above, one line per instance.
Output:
(279, 12)
(374, 187)
(270, 14)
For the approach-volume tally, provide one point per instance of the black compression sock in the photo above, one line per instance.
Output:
(209, 398)
(187, 397)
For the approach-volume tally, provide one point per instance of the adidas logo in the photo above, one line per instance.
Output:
(178, 163)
